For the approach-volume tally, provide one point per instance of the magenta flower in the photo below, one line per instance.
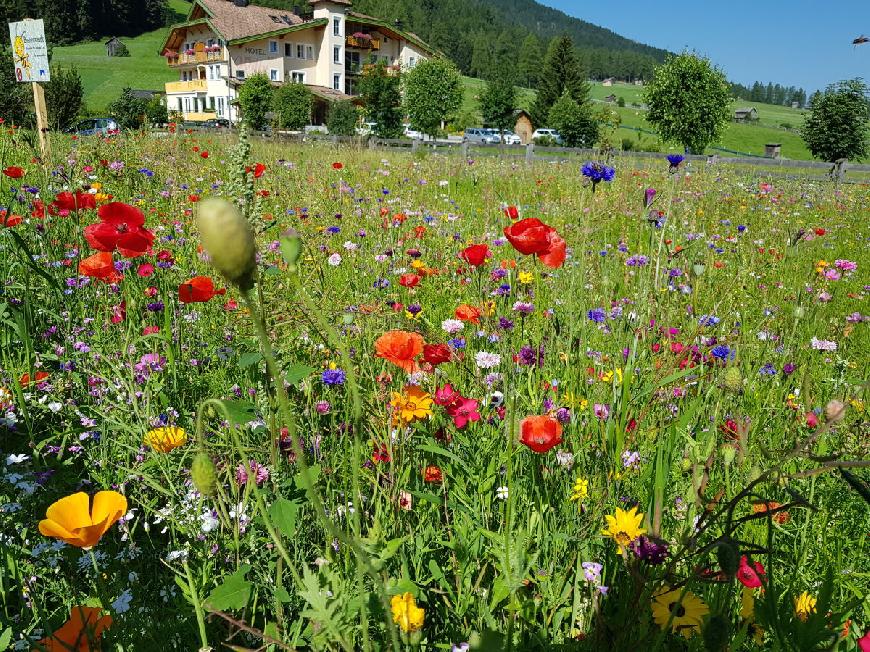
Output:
(463, 410)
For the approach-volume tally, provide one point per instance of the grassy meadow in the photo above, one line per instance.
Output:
(380, 400)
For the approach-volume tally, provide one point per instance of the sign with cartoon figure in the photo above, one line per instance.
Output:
(29, 51)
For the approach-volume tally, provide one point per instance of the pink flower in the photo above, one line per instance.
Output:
(864, 642)
(260, 471)
(463, 410)
(845, 265)
(601, 410)
(145, 270)
(812, 420)
(749, 575)
(832, 275)
(446, 395)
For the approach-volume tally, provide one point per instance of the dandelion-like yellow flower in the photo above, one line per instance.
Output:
(525, 277)
(166, 439)
(684, 611)
(413, 405)
(624, 527)
(858, 404)
(608, 376)
(580, 490)
(417, 264)
(5, 398)
(406, 614)
(804, 605)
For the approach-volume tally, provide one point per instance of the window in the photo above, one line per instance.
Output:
(288, 49)
(336, 54)
(336, 26)
(210, 42)
(273, 75)
(273, 47)
(412, 62)
(240, 74)
(336, 82)
(179, 105)
(297, 77)
(309, 52)
(300, 51)
(220, 106)
(187, 105)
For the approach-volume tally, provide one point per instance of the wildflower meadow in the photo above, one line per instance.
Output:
(266, 396)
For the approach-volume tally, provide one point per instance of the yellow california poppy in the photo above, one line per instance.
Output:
(165, 439)
(75, 521)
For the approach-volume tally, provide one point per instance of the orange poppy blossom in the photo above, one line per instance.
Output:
(540, 433)
(73, 520)
(81, 633)
(401, 348)
(466, 312)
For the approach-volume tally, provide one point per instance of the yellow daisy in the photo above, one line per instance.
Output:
(624, 527)
(684, 611)
(165, 439)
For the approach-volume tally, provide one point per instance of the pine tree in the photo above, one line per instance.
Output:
(530, 62)
(561, 73)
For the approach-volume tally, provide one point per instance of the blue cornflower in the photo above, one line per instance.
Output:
(597, 315)
(767, 370)
(333, 229)
(741, 228)
(708, 320)
(675, 160)
(332, 377)
(723, 352)
(457, 342)
(597, 172)
(148, 173)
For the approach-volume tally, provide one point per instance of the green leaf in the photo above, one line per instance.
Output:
(281, 595)
(283, 514)
(250, 358)
(5, 638)
(240, 412)
(297, 372)
(233, 593)
(28, 260)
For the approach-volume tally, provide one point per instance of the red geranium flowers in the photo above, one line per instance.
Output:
(121, 227)
(532, 236)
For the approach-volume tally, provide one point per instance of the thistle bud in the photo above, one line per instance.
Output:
(716, 634)
(732, 380)
(291, 248)
(728, 557)
(229, 241)
(835, 411)
(728, 453)
(204, 474)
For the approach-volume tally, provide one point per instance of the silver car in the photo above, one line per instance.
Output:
(480, 135)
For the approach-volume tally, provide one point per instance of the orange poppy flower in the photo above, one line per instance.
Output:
(770, 505)
(433, 475)
(82, 632)
(100, 266)
(401, 348)
(540, 433)
(466, 312)
(74, 521)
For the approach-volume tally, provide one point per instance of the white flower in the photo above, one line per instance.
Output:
(350, 246)
(122, 603)
(486, 360)
(16, 459)
(55, 407)
(176, 555)
(209, 520)
(501, 493)
(334, 260)
(823, 345)
(452, 326)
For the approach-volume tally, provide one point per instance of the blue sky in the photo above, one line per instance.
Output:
(801, 42)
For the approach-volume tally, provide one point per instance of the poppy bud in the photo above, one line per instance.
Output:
(204, 474)
(229, 241)
(728, 454)
(732, 380)
(716, 633)
(698, 269)
(728, 557)
(291, 248)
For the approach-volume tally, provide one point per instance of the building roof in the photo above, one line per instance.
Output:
(746, 109)
(113, 39)
(234, 22)
(392, 29)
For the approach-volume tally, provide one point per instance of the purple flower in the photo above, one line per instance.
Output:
(675, 160)
(653, 551)
(597, 315)
(597, 172)
(649, 196)
(332, 377)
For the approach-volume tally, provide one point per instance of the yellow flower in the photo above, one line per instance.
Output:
(580, 490)
(607, 376)
(75, 521)
(166, 439)
(413, 315)
(96, 185)
(5, 398)
(571, 400)
(684, 611)
(804, 605)
(406, 614)
(525, 277)
(417, 263)
(857, 404)
(624, 527)
(413, 405)
(747, 603)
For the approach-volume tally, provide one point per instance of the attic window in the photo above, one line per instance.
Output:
(287, 19)
(275, 19)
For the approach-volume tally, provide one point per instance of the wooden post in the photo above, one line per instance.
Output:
(41, 121)
(530, 152)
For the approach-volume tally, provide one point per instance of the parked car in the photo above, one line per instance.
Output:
(480, 135)
(510, 138)
(94, 127)
(215, 123)
(366, 129)
(547, 134)
(412, 133)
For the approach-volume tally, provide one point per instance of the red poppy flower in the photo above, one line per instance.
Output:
(512, 212)
(121, 228)
(259, 169)
(475, 255)
(401, 348)
(337, 166)
(436, 354)
(199, 289)
(204, 154)
(100, 266)
(820, 232)
(540, 433)
(409, 280)
(433, 475)
(14, 172)
(531, 236)
(11, 220)
(749, 575)
(38, 377)
(466, 312)
(67, 202)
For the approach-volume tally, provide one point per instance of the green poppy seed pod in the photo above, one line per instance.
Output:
(728, 557)
(291, 248)
(229, 241)
(732, 380)
(204, 474)
(835, 411)
(717, 633)
(728, 453)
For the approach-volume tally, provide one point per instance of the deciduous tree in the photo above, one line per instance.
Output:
(255, 100)
(381, 93)
(837, 124)
(433, 94)
(291, 104)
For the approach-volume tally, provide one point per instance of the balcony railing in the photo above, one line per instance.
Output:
(391, 70)
(363, 43)
(192, 86)
(196, 57)
(200, 116)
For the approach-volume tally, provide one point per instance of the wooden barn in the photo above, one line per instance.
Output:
(746, 114)
(524, 127)
(116, 48)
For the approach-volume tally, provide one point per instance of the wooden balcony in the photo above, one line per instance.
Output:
(192, 86)
(195, 58)
(363, 43)
(200, 116)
